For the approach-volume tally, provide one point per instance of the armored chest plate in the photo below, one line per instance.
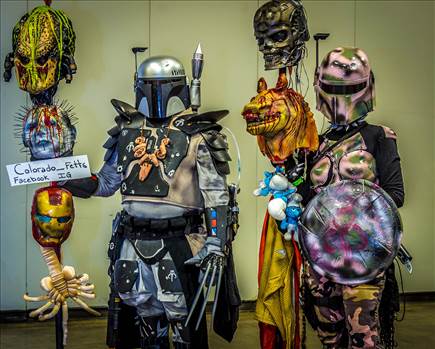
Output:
(160, 170)
(348, 160)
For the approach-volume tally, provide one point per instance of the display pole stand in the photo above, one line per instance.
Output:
(59, 329)
(58, 320)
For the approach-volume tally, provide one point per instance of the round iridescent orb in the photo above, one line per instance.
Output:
(351, 231)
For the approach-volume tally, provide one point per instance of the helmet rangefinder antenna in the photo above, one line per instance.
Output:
(135, 50)
(195, 87)
(317, 37)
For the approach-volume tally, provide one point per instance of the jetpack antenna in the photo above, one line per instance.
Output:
(317, 37)
(135, 50)
(195, 87)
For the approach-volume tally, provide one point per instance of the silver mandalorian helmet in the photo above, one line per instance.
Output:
(161, 87)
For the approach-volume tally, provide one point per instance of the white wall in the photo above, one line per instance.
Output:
(398, 37)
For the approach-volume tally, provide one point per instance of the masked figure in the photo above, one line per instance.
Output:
(43, 44)
(281, 31)
(48, 131)
(346, 313)
(170, 167)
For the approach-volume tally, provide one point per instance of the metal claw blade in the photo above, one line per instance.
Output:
(210, 285)
(198, 294)
(216, 296)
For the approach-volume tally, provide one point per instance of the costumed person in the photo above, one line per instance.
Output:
(286, 132)
(170, 165)
(43, 43)
(351, 228)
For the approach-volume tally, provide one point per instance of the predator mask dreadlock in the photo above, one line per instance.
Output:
(43, 44)
(281, 120)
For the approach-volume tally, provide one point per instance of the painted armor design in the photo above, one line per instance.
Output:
(163, 153)
(344, 86)
(349, 160)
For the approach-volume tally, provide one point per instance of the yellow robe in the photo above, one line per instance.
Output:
(274, 303)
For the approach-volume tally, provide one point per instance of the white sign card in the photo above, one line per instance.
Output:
(50, 170)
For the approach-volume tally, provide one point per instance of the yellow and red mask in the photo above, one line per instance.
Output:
(52, 216)
(43, 49)
(281, 120)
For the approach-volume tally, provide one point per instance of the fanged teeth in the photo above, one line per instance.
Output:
(255, 119)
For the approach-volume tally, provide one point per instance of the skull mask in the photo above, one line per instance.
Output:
(48, 131)
(43, 49)
(52, 216)
(281, 31)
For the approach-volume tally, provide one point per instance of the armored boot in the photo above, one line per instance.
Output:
(182, 334)
(154, 332)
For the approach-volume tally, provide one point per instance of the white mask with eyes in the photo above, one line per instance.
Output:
(48, 132)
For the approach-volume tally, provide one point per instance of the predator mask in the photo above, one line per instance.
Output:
(48, 131)
(281, 120)
(52, 216)
(344, 85)
(43, 44)
(281, 31)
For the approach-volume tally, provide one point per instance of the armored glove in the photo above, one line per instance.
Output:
(211, 258)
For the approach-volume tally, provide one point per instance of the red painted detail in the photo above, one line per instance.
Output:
(213, 223)
(262, 245)
(54, 196)
(269, 337)
(297, 265)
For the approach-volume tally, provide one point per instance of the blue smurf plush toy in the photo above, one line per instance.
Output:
(286, 203)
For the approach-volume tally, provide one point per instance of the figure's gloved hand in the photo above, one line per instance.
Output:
(211, 259)
(212, 248)
(82, 187)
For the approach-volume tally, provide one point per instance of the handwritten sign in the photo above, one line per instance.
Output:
(50, 170)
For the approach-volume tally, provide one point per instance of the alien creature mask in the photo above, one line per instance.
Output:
(43, 49)
(281, 31)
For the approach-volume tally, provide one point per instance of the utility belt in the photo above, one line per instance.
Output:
(134, 228)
